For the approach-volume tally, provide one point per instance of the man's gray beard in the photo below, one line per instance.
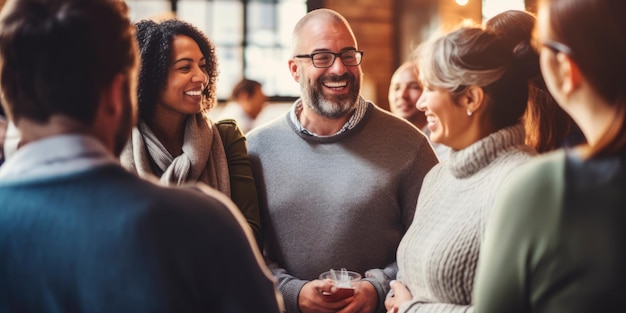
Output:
(331, 107)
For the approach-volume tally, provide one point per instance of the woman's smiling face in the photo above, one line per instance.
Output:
(446, 120)
(186, 79)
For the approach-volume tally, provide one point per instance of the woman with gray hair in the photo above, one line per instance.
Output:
(475, 94)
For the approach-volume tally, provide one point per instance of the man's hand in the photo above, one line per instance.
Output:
(365, 298)
(398, 295)
(316, 296)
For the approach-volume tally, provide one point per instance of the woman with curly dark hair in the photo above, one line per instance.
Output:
(174, 139)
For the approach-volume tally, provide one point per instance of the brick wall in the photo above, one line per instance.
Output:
(389, 30)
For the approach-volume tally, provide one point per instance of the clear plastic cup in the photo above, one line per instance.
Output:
(343, 280)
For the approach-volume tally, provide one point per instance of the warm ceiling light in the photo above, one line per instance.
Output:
(461, 2)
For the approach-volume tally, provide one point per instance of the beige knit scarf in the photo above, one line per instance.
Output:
(203, 158)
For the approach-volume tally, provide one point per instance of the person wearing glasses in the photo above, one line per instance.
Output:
(475, 94)
(557, 240)
(338, 177)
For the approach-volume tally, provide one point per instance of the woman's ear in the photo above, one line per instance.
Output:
(568, 70)
(473, 99)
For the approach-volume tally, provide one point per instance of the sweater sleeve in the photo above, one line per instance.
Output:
(288, 285)
(422, 307)
(243, 188)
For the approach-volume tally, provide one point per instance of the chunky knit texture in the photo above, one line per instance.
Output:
(338, 201)
(438, 255)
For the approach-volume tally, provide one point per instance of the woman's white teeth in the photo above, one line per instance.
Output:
(335, 84)
(193, 93)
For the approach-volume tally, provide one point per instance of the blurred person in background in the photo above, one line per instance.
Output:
(404, 91)
(246, 103)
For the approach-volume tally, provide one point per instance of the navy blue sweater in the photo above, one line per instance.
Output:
(104, 240)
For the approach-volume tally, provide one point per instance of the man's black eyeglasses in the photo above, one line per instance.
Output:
(327, 59)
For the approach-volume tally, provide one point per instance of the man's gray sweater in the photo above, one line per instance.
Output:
(337, 201)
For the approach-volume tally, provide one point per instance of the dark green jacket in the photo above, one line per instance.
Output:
(242, 187)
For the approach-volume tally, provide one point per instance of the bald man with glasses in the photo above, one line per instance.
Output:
(338, 177)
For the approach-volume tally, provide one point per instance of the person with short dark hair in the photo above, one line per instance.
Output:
(247, 100)
(78, 233)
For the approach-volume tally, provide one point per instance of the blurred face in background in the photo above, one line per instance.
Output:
(257, 101)
(404, 91)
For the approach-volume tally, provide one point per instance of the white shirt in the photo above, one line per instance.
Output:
(56, 155)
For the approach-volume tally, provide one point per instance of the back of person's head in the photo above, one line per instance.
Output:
(57, 57)
(471, 56)
(595, 33)
(546, 124)
(155, 45)
(245, 87)
(513, 27)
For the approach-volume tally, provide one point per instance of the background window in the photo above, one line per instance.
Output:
(252, 37)
(494, 7)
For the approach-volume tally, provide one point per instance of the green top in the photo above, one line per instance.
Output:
(242, 187)
(556, 239)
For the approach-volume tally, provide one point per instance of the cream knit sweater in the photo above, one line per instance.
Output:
(437, 257)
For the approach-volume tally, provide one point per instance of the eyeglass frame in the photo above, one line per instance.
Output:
(556, 47)
(335, 55)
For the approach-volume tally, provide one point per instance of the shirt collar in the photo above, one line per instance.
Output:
(55, 156)
(354, 120)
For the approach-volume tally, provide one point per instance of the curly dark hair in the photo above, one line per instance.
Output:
(155, 46)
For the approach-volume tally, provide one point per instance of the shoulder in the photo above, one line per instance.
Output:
(149, 194)
(193, 209)
(543, 170)
(275, 129)
(229, 131)
(392, 125)
(509, 161)
(535, 186)
(394, 132)
(228, 127)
